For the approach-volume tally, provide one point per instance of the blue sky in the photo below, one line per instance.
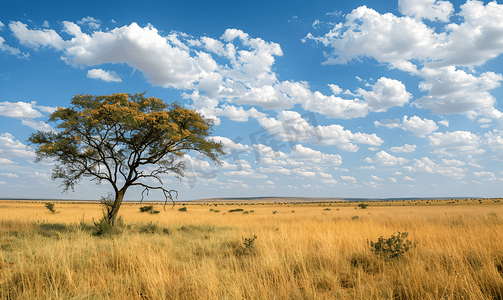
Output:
(337, 99)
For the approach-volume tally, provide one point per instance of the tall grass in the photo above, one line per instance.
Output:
(198, 254)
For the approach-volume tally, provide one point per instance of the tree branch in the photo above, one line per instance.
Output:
(167, 193)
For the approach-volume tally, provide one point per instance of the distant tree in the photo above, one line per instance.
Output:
(50, 207)
(114, 138)
(363, 205)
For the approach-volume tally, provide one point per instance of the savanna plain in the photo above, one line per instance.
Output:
(452, 249)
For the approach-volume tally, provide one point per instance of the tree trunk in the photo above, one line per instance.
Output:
(112, 214)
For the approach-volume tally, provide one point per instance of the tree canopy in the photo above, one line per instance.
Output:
(113, 138)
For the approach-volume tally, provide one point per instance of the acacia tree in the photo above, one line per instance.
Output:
(115, 138)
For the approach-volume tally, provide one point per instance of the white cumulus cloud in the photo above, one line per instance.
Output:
(11, 175)
(418, 127)
(448, 168)
(91, 22)
(348, 178)
(108, 76)
(18, 110)
(409, 178)
(36, 39)
(437, 55)
(403, 149)
(294, 127)
(12, 51)
(453, 91)
(383, 158)
(385, 93)
(10, 147)
(6, 161)
(485, 175)
(375, 178)
(428, 9)
(38, 125)
(454, 143)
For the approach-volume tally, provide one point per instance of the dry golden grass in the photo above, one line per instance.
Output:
(301, 252)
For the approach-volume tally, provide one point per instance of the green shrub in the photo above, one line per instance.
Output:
(236, 210)
(102, 227)
(394, 247)
(107, 203)
(182, 209)
(154, 212)
(243, 249)
(50, 207)
(149, 228)
(363, 205)
(146, 208)
(248, 243)
(326, 209)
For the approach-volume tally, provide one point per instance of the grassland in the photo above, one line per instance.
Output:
(303, 251)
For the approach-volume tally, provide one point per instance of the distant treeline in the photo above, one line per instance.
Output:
(265, 199)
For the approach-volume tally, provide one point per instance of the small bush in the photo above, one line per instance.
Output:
(154, 212)
(274, 212)
(248, 243)
(246, 248)
(363, 205)
(102, 227)
(107, 203)
(182, 208)
(50, 207)
(236, 210)
(149, 228)
(326, 209)
(394, 247)
(146, 208)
